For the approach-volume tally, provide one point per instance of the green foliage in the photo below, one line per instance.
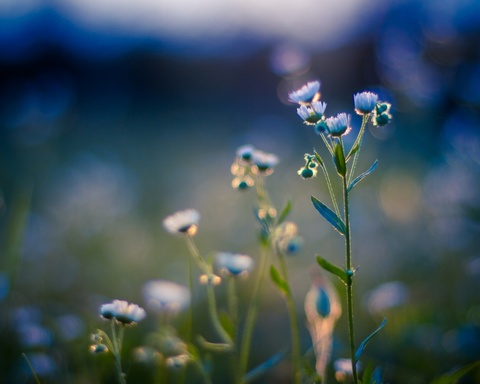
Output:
(285, 211)
(453, 377)
(339, 160)
(363, 175)
(264, 367)
(329, 267)
(281, 284)
(329, 215)
(367, 339)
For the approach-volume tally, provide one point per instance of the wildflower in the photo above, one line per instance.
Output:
(321, 127)
(287, 239)
(210, 279)
(178, 361)
(382, 114)
(185, 222)
(245, 152)
(243, 183)
(339, 125)
(307, 94)
(146, 355)
(309, 170)
(364, 102)
(313, 113)
(343, 369)
(122, 311)
(98, 348)
(264, 162)
(234, 263)
(165, 296)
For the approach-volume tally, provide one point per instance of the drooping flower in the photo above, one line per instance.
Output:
(307, 94)
(382, 114)
(364, 102)
(122, 311)
(166, 297)
(309, 170)
(184, 222)
(338, 125)
(286, 235)
(264, 163)
(245, 152)
(234, 263)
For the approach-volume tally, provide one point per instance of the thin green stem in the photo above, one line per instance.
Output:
(252, 314)
(197, 256)
(212, 306)
(348, 257)
(295, 338)
(117, 352)
(232, 299)
(357, 143)
(327, 144)
(330, 189)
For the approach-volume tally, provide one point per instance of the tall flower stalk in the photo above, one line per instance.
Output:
(331, 131)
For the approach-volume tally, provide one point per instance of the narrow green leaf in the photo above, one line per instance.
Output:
(353, 150)
(329, 267)
(368, 374)
(329, 215)
(281, 284)
(365, 342)
(319, 159)
(453, 377)
(377, 377)
(264, 367)
(227, 324)
(214, 347)
(361, 177)
(285, 211)
(339, 160)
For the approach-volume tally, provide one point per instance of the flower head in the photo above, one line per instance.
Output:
(184, 222)
(306, 94)
(309, 170)
(382, 114)
(245, 152)
(166, 297)
(312, 113)
(264, 163)
(287, 238)
(339, 125)
(234, 263)
(364, 102)
(122, 311)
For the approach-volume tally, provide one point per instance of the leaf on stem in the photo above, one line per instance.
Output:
(319, 159)
(367, 339)
(453, 377)
(329, 267)
(362, 176)
(264, 367)
(227, 324)
(329, 215)
(281, 284)
(214, 347)
(339, 160)
(285, 211)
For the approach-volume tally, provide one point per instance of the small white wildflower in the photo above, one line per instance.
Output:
(245, 152)
(165, 296)
(306, 94)
(234, 263)
(313, 113)
(177, 361)
(382, 114)
(264, 162)
(343, 369)
(122, 311)
(339, 125)
(364, 102)
(184, 222)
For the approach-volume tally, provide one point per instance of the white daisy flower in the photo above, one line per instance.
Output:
(364, 102)
(234, 263)
(306, 94)
(339, 125)
(185, 222)
(122, 311)
(166, 297)
(264, 162)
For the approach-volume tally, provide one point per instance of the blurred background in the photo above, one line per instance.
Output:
(114, 114)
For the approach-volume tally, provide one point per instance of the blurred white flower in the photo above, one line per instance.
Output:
(364, 102)
(306, 94)
(264, 162)
(122, 311)
(185, 222)
(166, 297)
(386, 296)
(234, 263)
(339, 125)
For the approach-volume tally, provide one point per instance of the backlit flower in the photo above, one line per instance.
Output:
(306, 94)
(245, 152)
(364, 102)
(166, 297)
(234, 263)
(381, 114)
(313, 113)
(264, 162)
(339, 125)
(122, 311)
(185, 222)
